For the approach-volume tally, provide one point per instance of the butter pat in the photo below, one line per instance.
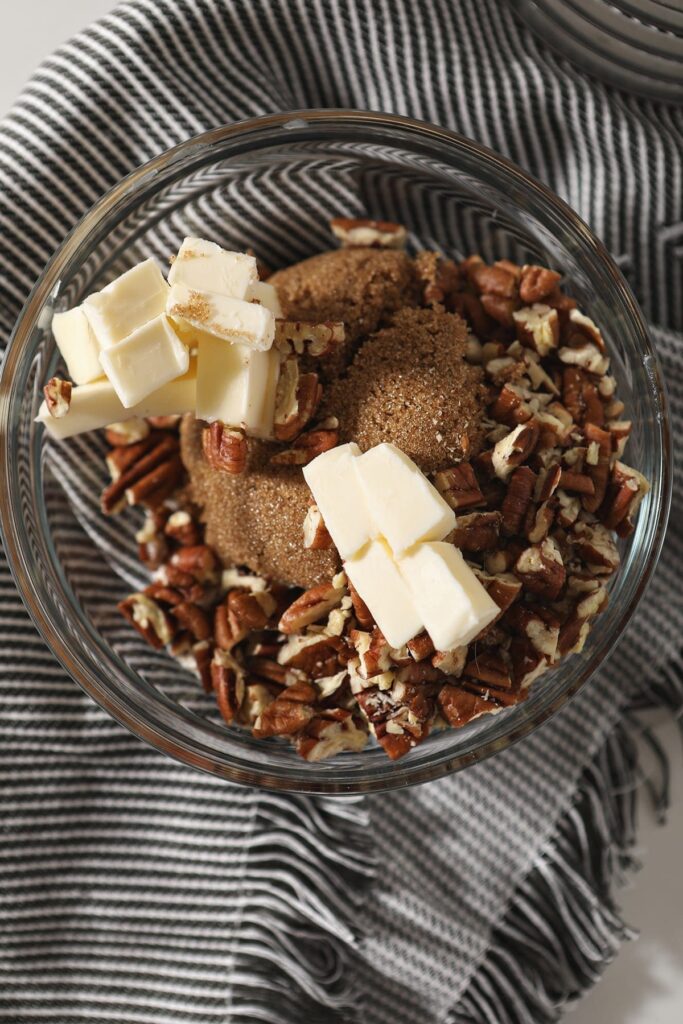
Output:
(131, 300)
(233, 320)
(267, 295)
(337, 490)
(96, 405)
(77, 342)
(451, 601)
(144, 361)
(403, 503)
(377, 578)
(206, 267)
(236, 385)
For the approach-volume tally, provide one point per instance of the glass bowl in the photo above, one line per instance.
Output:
(272, 183)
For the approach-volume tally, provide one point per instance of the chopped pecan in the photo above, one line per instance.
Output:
(577, 483)
(202, 653)
(510, 407)
(544, 518)
(317, 339)
(541, 569)
(517, 499)
(527, 663)
(57, 397)
(227, 679)
(548, 482)
(225, 448)
(421, 647)
(329, 734)
(317, 656)
(572, 392)
(540, 627)
(620, 431)
(182, 529)
(460, 707)
(289, 713)
(537, 283)
(374, 234)
(316, 537)
(627, 490)
(514, 449)
(374, 653)
(478, 531)
(594, 410)
(127, 432)
(597, 468)
(193, 619)
(568, 509)
(458, 486)
(538, 326)
(587, 356)
(149, 618)
(451, 663)
(503, 588)
(148, 479)
(197, 561)
(257, 697)
(363, 615)
(309, 445)
(296, 399)
(310, 607)
(489, 668)
(596, 546)
(582, 325)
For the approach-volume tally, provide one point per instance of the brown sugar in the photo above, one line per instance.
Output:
(410, 384)
(255, 519)
(362, 287)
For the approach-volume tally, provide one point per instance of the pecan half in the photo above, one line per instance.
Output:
(365, 232)
(148, 480)
(495, 280)
(225, 448)
(149, 618)
(478, 531)
(537, 283)
(193, 619)
(360, 609)
(458, 486)
(541, 570)
(317, 339)
(310, 607)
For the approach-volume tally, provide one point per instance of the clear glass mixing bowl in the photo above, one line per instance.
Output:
(272, 183)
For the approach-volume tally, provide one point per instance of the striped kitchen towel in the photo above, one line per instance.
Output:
(133, 889)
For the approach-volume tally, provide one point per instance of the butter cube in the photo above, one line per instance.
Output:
(206, 267)
(77, 343)
(406, 507)
(236, 385)
(234, 320)
(377, 578)
(338, 493)
(451, 601)
(144, 361)
(267, 295)
(96, 405)
(131, 300)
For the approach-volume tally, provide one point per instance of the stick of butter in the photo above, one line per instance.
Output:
(337, 490)
(236, 385)
(77, 342)
(131, 300)
(244, 323)
(451, 601)
(96, 405)
(144, 361)
(377, 578)
(206, 267)
(406, 507)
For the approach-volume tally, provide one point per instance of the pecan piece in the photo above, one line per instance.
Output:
(572, 392)
(289, 713)
(514, 449)
(489, 668)
(460, 707)
(537, 283)
(364, 232)
(193, 619)
(310, 607)
(225, 449)
(360, 609)
(538, 326)
(57, 397)
(497, 280)
(421, 647)
(499, 309)
(544, 518)
(198, 561)
(628, 489)
(458, 486)
(541, 570)
(149, 618)
(509, 407)
(309, 445)
(373, 651)
(227, 680)
(577, 483)
(582, 325)
(451, 663)
(587, 356)
(329, 734)
(599, 469)
(182, 529)
(517, 499)
(313, 338)
(478, 531)
(202, 652)
(296, 399)
(317, 656)
(316, 537)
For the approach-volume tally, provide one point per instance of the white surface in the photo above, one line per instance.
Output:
(645, 984)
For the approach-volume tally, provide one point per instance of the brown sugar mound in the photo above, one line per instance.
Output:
(362, 287)
(410, 384)
(255, 519)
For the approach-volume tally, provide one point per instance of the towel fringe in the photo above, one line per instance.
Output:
(295, 941)
(562, 927)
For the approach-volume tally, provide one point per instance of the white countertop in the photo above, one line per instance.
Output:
(645, 984)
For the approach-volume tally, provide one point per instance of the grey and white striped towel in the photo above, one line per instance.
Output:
(134, 890)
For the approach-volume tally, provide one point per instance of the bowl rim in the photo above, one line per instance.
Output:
(160, 736)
